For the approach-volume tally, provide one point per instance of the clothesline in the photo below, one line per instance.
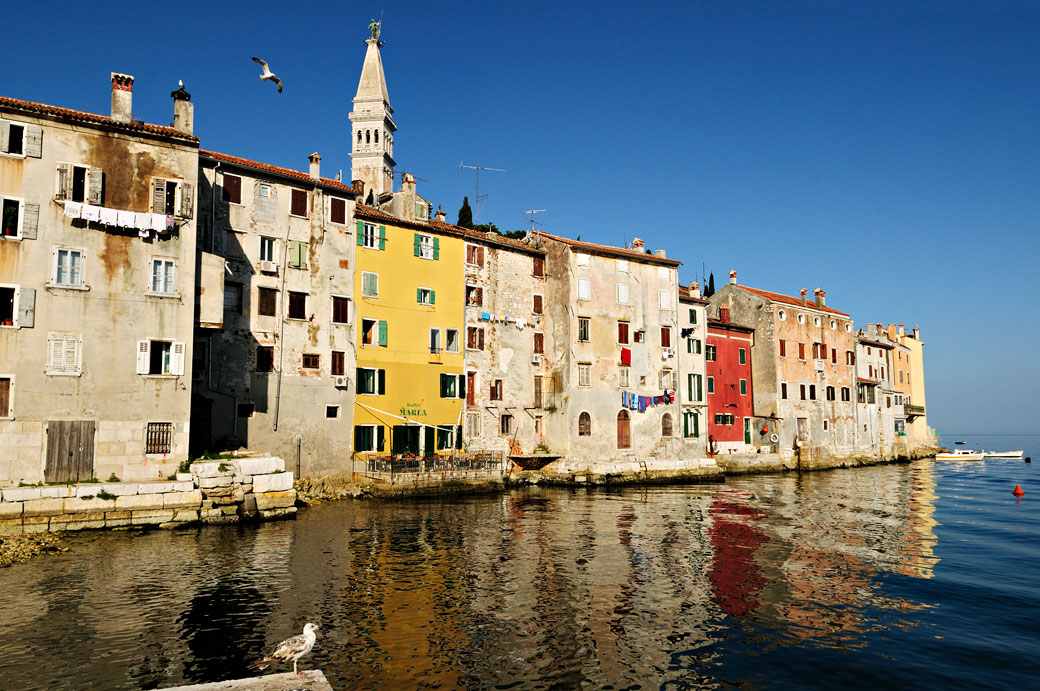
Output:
(641, 403)
(518, 322)
(144, 223)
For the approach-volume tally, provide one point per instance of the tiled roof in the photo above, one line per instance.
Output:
(278, 170)
(787, 299)
(365, 211)
(719, 324)
(867, 381)
(879, 344)
(34, 108)
(635, 255)
(684, 294)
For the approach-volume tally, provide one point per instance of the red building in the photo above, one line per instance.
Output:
(728, 370)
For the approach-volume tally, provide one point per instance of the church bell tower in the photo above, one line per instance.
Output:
(372, 125)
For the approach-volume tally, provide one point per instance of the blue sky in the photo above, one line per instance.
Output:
(888, 152)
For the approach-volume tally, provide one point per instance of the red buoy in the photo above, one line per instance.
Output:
(1018, 491)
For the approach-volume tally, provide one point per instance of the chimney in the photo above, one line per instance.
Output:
(891, 331)
(917, 333)
(733, 277)
(638, 244)
(804, 291)
(660, 254)
(183, 110)
(695, 290)
(315, 170)
(440, 215)
(902, 330)
(724, 313)
(122, 96)
(820, 297)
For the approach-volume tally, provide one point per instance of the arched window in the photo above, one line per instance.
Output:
(584, 425)
(624, 436)
(359, 136)
(666, 425)
(368, 136)
(377, 136)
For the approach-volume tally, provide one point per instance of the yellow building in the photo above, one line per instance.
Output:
(409, 291)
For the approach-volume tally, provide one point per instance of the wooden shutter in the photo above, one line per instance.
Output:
(187, 200)
(297, 254)
(95, 178)
(417, 245)
(436, 248)
(418, 295)
(158, 194)
(177, 359)
(380, 437)
(5, 135)
(71, 354)
(480, 256)
(144, 352)
(537, 304)
(63, 178)
(339, 211)
(382, 237)
(444, 385)
(462, 385)
(381, 375)
(360, 233)
(26, 317)
(32, 141)
(480, 339)
(382, 333)
(433, 297)
(57, 354)
(5, 397)
(30, 220)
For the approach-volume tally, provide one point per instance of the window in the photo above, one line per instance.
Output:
(474, 255)
(298, 205)
(709, 353)
(158, 437)
(537, 306)
(68, 267)
(830, 393)
(338, 363)
(6, 396)
(666, 337)
(231, 189)
(200, 359)
(691, 424)
(639, 336)
(11, 217)
(783, 348)
(583, 329)
(331, 412)
(781, 315)
(163, 275)
(267, 302)
(264, 358)
(711, 384)
(453, 386)
(801, 351)
(474, 296)
(900, 376)
(297, 305)
(373, 332)
(505, 424)
(372, 236)
(870, 395)
(888, 401)
(232, 298)
(850, 357)
(475, 338)
(742, 356)
(338, 211)
(666, 380)
(833, 325)
(311, 361)
(584, 374)
(298, 254)
(538, 270)
(82, 184)
(743, 387)
(496, 390)
(63, 353)
(693, 315)
(801, 318)
(812, 392)
(801, 388)
(368, 437)
(425, 296)
(819, 351)
(371, 381)
(160, 358)
(846, 394)
(369, 284)
(694, 345)
(622, 332)
(473, 422)
(267, 246)
(426, 246)
(666, 425)
(584, 289)
(265, 191)
(12, 136)
(340, 310)
(538, 391)
(694, 382)
(622, 266)
(539, 343)
(622, 293)
(435, 340)
(624, 377)
(451, 340)
(170, 197)
(783, 390)
(662, 298)
(584, 425)
(816, 321)
(834, 356)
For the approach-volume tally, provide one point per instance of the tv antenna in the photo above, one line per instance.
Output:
(476, 200)
(532, 212)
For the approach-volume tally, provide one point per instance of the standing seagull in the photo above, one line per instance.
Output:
(291, 649)
(268, 74)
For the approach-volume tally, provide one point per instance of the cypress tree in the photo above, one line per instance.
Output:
(465, 214)
(711, 285)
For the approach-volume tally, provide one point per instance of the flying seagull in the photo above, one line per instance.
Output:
(268, 74)
(290, 649)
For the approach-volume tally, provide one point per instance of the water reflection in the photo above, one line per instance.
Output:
(538, 589)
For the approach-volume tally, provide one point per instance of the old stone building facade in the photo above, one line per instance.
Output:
(97, 280)
(275, 343)
(613, 318)
(693, 393)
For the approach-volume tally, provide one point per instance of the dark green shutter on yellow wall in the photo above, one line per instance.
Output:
(360, 233)
(417, 245)
(382, 237)
(436, 248)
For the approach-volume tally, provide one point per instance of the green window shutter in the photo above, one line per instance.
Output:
(382, 381)
(416, 248)
(693, 316)
(696, 425)
(462, 385)
(743, 356)
(743, 387)
(686, 424)
(418, 293)
(711, 384)
(380, 438)
(698, 351)
(689, 345)
(360, 233)
(699, 384)
(382, 333)
(444, 385)
(382, 237)
(433, 297)
(436, 248)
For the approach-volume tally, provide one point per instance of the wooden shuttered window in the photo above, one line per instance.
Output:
(267, 303)
(231, 189)
(63, 354)
(783, 348)
(666, 337)
(539, 343)
(475, 255)
(298, 203)
(5, 396)
(338, 210)
(537, 308)
(298, 254)
(539, 267)
(297, 305)
(622, 332)
(475, 338)
(340, 310)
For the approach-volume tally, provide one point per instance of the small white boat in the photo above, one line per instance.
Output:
(1003, 454)
(960, 455)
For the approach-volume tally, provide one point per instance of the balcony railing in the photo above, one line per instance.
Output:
(913, 410)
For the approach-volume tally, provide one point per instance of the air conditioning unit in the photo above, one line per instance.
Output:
(536, 358)
(819, 365)
(269, 267)
(342, 382)
(668, 352)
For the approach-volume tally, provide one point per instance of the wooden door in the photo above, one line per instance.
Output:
(471, 388)
(70, 450)
(624, 439)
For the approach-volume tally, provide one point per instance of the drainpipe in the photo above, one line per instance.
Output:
(281, 329)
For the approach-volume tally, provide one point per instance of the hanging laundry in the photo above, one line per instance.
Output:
(143, 221)
(109, 217)
(125, 219)
(626, 356)
(144, 233)
(486, 316)
(158, 222)
(73, 209)
(520, 324)
(169, 221)
(91, 213)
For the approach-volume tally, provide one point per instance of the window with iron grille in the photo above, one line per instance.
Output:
(159, 437)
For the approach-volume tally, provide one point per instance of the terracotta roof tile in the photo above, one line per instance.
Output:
(94, 119)
(616, 251)
(365, 211)
(787, 299)
(267, 167)
(684, 294)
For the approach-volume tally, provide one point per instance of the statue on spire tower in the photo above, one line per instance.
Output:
(374, 28)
